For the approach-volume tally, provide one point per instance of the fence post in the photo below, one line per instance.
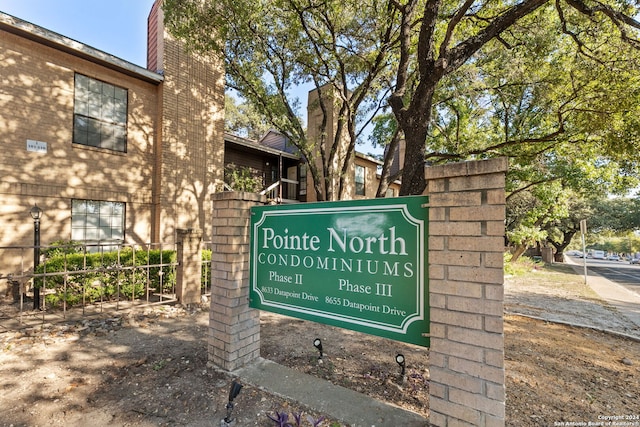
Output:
(234, 328)
(189, 270)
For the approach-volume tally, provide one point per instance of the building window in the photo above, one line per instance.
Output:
(97, 221)
(99, 114)
(360, 177)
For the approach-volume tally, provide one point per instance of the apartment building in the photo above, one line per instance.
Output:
(109, 151)
(114, 152)
(363, 177)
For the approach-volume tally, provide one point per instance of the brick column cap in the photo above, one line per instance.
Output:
(239, 195)
(187, 231)
(480, 167)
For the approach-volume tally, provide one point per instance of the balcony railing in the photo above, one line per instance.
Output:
(283, 191)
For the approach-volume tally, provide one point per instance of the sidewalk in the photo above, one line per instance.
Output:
(356, 409)
(626, 302)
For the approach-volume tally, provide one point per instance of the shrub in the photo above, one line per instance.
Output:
(165, 274)
(205, 279)
(62, 247)
(94, 277)
(242, 178)
(522, 266)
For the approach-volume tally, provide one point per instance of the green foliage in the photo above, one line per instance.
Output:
(243, 119)
(559, 82)
(554, 86)
(531, 210)
(103, 276)
(341, 48)
(521, 267)
(526, 235)
(624, 243)
(205, 280)
(384, 128)
(61, 247)
(159, 365)
(614, 215)
(163, 277)
(242, 178)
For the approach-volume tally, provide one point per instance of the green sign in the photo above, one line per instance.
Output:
(359, 265)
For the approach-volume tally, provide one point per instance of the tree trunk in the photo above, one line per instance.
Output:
(567, 236)
(414, 121)
(558, 257)
(520, 249)
(389, 159)
(413, 180)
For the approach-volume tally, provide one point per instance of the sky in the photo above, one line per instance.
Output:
(117, 27)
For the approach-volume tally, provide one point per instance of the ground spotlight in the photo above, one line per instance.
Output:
(233, 393)
(318, 344)
(401, 362)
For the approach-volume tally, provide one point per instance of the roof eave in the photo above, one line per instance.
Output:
(257, 146)
(40, 35)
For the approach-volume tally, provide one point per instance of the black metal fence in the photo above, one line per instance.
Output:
(88, 278)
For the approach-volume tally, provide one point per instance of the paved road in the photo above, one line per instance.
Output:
(620, 272)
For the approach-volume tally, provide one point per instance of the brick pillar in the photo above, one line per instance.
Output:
(234, 337)
(189, 271)
(466, 244)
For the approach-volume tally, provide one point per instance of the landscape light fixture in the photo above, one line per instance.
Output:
(401, 362)
(36, 214)
(233, 393)
(318, 344)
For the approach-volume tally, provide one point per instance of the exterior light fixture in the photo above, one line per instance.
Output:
(233, 393)
(318, 344)
(36, 214)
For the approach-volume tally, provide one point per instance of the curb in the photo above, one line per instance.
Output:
(576, 325)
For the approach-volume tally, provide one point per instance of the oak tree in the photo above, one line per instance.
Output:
(464, 80)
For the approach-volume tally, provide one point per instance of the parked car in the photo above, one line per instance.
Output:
(613, 257)
(635, 261)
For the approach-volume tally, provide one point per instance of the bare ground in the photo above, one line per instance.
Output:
(149, 367)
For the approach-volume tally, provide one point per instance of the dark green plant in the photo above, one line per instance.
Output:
(62, 247)
(242, 178)
(163, 277)
(205, 280)
(91, 277)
